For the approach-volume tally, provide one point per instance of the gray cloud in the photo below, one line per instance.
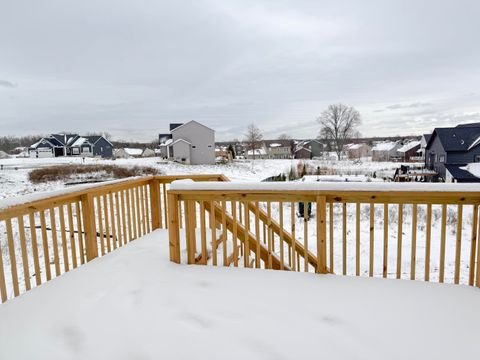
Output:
(408, 106)
(7, 84)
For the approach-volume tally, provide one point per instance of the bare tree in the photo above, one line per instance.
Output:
(253, 138)
(338, 124)
(284, 137)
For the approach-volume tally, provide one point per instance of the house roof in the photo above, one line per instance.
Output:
(80, 141)
(133, 151)
(384, 146)
(183, 140)
(51, 140)
(427, 137)
(409, 146)
(461, 174)
(460, 138)
(191, 121)
(93, 139)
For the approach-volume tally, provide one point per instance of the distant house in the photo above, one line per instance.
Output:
(278, 149)
(257, 154)
(3, 155)
(385, 151)
(308, 149)
(127, 153)
(410, 151)
(71, 145)
(423, 145)
(358, 151)
(450, 150)
(190, 143)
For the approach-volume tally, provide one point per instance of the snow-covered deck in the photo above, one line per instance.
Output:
(135, 304)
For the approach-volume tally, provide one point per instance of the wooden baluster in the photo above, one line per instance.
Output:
(80, 232)
(372, 239)
(145, 219)
(344, 238)
(269, 234)
(140, 217)
(56, 256)
(235, 233)
(292, 215)
(120, 219)
(63, 234)
(427, 242)
(399, 241)
(129, 215)
(331, 237)
(133, 208)
(180, 214)
(100, 225)
(443, 233)
(13, 261)
(257, 235)
(71, 231)
(413, 258)
(36, 260)
(385, 240)
(224, 233)
(305, 235)
(3, 285)
(473, 245)
(477, 279)
(112, 218)
(246, 255)
(46, 256)
(88, 210)
(23, 246)
(321, 235)
(165, 206)
(458, 244)
(280, 206)
(148, 210)
(107, 223)
(173, 228)
(213, 230)
(203, 233)
(357, 237)
(190, 230)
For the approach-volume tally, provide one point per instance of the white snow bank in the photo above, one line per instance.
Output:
(324, 186)
(135, 304)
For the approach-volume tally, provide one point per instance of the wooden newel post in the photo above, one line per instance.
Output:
(321, 235)
(173, 228)
(154, 185)
(88, 210)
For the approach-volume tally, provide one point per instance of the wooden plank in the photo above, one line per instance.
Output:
(140, 216)
(107, 223)
(56, 256)
(305, 233)
(13, 261)
(143, 209)
(203, 233)
(36, 259)
(46, 255)
(413, 258)
(3, 285)
(112, 218)
(458, 244)
(344, 239)
(88, 211)
(321, 235)
(331, 237)
(235, 234)
(100, 224)
(385, 240)
(473, 245)
(257, 236)
(180, 214)
(246, 255)
(477, 278)
(357, 239)
(443, 233)
(224, 233)
(63, 234)
(173, 229)
(147, 209)
(71, 230)
(399, 241)
(165, 205)
(123, 208)
(80, 233)
(428, 237)
(23, 247)
(133, 208)
(213, 230)
(372, 239)
(119, 219)
(129, 215)
(190, 231)
(269, 234)
(293, 243)
(282, 255)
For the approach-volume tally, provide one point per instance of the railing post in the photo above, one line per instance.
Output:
(88, 210)
(321, 235)
(173, 228)
(154, 185)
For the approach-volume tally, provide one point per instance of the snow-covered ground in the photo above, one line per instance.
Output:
(135, 304)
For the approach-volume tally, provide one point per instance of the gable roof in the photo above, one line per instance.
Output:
(183, 140)
(460, 173)
(460, 138)
(93, 139)
(409, 146)
(191, 121)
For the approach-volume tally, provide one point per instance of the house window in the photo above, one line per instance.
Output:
(477, 158)
(194, 147)
(441, 158)
(209, 146)
(85, 149)
(75, 151)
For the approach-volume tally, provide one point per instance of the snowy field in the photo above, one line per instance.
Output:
(135, 304)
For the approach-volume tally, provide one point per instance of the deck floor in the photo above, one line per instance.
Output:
(135, 304)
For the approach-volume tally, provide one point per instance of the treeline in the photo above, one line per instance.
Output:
(10, 143)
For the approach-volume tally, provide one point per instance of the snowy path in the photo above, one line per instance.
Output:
(135, 304)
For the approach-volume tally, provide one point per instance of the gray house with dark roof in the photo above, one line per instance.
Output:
(450, 149)
(72, 145)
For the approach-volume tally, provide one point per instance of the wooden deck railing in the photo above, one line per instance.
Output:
(42, 239)
(386, 230)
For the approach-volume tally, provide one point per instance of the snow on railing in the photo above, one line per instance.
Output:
(401, 230)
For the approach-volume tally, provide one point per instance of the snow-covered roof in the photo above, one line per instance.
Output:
(80, 141)
(409, 146)
(187, 123)
(181, 140)
(384, 146)
(475, 143)
(354, 146)
(472, 168)
(133, 151)
(275, 145)
(257, 152)
(167, 142)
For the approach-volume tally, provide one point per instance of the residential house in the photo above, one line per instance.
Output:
(410, 151)
(308, 149)
(423, 145)
(450, 150)
(190, 143)
(385, 151)
(358, 151)
(71, 145)
(127, 153)
(260, 153)
(278, 149)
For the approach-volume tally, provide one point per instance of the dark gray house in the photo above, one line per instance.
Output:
(449, 150)
(72, 145)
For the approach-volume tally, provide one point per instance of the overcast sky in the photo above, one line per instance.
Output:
(132, 67)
